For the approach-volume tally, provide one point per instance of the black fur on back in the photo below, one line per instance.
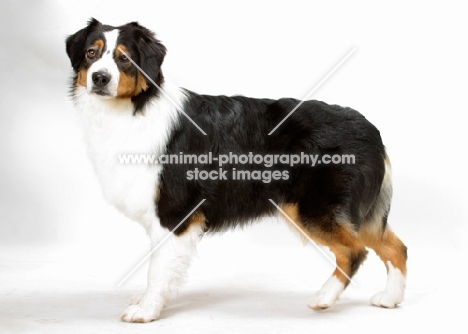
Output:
(241, 125)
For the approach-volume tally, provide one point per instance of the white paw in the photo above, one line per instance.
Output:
(327, 295)
(386, 299)
(395, 290)
(136, 299)
(141, 313)
(322, 300)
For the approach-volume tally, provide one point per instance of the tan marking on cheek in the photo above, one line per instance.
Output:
(82, 77)
(127, 86)
(142, 85)
(127, 83)
(130, 86)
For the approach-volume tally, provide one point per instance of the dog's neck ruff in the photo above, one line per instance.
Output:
(112, 129)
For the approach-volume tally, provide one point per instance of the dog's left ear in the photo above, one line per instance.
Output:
(152, 52)
(75, 44)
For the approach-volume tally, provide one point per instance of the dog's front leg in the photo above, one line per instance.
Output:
(168, 266)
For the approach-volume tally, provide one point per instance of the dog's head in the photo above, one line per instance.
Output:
(117, 62)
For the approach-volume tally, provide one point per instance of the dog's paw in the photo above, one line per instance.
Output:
(386, 299)
(140, 313)
(327, 295)
(395, 290)
(135, 300)
(322, 300)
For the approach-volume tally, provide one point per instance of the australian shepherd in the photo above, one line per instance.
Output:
(130, 109)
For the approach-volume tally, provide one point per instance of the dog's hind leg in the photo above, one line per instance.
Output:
(376, 235)
(393, 253)
(349, 254)
(348, 249)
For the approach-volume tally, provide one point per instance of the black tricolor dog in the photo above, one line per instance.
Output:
(128, 108)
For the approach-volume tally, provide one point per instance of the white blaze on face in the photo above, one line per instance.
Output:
(106, 65)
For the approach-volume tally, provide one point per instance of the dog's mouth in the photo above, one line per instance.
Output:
(101, 92)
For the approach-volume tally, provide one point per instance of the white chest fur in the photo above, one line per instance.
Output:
(111, 130)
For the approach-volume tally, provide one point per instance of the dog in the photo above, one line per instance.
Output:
(128, 107)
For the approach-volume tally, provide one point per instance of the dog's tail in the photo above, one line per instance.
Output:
(377, 217)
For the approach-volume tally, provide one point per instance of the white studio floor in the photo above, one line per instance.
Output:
(263, 290)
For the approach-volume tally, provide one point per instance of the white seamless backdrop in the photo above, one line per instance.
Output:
(407, 76)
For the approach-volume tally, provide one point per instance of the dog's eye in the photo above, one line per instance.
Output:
(123, 58)
(91, 54)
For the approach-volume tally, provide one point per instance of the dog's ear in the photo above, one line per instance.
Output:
(75, 44)
(151, 53)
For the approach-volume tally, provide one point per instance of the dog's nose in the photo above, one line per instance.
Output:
(100, 79)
